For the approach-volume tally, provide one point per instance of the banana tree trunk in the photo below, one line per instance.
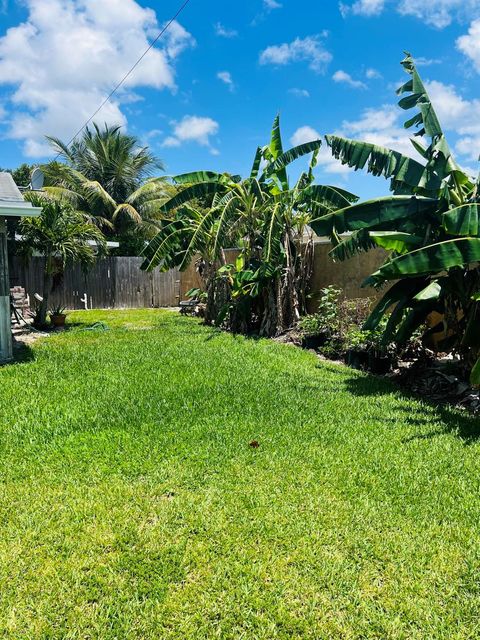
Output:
(289, 296)
(304, 274)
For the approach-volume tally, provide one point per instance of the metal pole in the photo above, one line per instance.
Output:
(5, 322)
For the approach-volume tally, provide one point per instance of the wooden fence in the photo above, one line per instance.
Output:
(111, 283)
(119, 282)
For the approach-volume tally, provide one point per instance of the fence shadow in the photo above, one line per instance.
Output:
(465, 426)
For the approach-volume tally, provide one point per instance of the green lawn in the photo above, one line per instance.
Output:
(133, 507)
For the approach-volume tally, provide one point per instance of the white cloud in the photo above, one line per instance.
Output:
(226, 78)
(458, 115)
(66, 57)
(363, 7)
(439, 13)
(381, 126)
(192, 129)
(271, 4)
(309, 49)
(299, 93)
(384, 126)
(426, 62)
(224, 32)
(304, 134)
(345, 78)
(436, 13)
(373, 74)
(267, 7)
(325, 159)
(153, 133)
(469, 44)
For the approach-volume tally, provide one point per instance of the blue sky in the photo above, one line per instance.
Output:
(206, 96)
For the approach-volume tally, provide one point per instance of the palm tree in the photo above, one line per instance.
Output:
(107, 174)
(62, 235)
(429, 226)
(110, 157)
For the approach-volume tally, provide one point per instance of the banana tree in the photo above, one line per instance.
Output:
(263, 217)
(429, 227)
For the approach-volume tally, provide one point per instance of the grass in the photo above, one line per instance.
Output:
(133, 507)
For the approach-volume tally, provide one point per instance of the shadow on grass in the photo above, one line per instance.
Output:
(21, 353)
(464, 425)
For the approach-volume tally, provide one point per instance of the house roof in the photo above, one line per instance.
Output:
(8, 189)
(12, 202)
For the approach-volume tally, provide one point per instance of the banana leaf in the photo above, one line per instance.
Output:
(475, 375)
(410, 313)
(163, 247)
(275, 150)
(432, 259)
(380, 161)
(318, 197)
(192, 192)
(292, 154)
(256, 163)
(413, 320)
(373, 213)
(358, 242)
(401, 291)
(194, 177)
(418, 98)
(463, 220)
(364, 240)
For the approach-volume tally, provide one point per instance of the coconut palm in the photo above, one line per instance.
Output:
(62, 235)
(107, 174)
(110, 157)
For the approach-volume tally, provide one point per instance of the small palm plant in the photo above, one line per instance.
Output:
(62, 235)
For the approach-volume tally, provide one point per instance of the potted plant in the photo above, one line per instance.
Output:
(318, 328)
(380, 360)
(314, 332)
(366, 350)
(58, 316)
(356, 348)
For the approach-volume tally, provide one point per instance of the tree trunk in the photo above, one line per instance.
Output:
(304, 274)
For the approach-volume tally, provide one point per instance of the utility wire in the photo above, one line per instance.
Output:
(129, 72)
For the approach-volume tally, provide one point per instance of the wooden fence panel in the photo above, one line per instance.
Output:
(111, 283)
(165, 288)
(120, 283)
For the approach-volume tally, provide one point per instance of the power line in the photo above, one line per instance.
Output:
(129, 72)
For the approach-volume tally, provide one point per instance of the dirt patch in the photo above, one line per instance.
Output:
(26, 335)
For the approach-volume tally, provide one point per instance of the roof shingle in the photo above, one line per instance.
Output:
(9, 192)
